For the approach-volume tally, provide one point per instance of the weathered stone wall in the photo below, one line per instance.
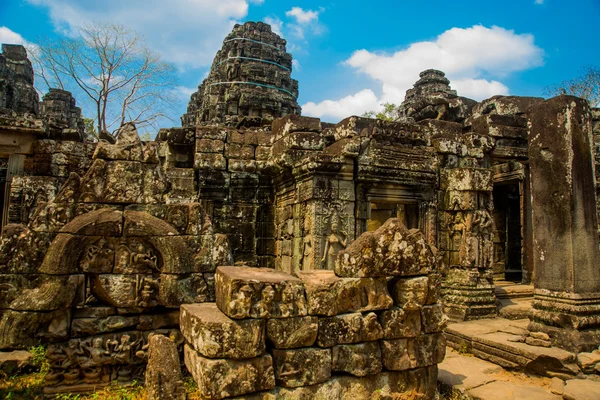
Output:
(104, 263)
(324, 334)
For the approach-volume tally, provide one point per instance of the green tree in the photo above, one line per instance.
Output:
(110, 67)
(586, 86)
(389, 113)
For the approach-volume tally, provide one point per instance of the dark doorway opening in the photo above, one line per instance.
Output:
(508, 239)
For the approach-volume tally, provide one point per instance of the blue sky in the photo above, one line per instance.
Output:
(350, 56)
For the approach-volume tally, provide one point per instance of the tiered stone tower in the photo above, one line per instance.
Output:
(249, 77)
(432, 97)
(16, 81)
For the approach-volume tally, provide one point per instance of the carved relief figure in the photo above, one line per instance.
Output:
(265, 306)
(334, 243)
(458, 229)
(241, 303)
(308, 262)
(98, 257)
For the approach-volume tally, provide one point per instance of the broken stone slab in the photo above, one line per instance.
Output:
(357, 359)
(17, 361)
(348, 328)
(302, 367)
(245, 292)
(163, 372)
(466, 372)
(581, 389)
(93, 326)
(214, 335)
(399, 323)
(220, 378)
(391, 250)
(328, 294)
(422, 351)
(588, 361)
(289, 333)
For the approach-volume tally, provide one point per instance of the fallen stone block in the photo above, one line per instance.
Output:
(328, 294)
(220, 378)
(215, 335)
(245, 292)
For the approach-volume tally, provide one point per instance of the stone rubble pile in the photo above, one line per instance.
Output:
(377, 317)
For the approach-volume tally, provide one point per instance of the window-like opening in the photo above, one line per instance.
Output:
(507, 237)
(382, 211)
(184, 156)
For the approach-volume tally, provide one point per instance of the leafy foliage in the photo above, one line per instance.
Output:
(389, 113)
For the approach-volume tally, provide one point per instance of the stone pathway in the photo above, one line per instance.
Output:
(483, 380)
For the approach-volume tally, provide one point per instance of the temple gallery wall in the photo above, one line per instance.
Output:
(261, 241)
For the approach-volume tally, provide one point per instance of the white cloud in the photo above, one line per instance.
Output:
(7, 36)
(186, 32)
(276, 24)
(183, 92)
(355, 104)
(470, 57)
(302, 17)
(296, 65)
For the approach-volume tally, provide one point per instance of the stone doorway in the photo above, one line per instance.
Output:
(508, 241)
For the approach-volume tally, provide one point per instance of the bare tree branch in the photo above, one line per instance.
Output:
(113, 69)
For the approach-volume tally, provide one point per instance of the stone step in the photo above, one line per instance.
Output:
(511, 290)
(496, 340)
(514, 308)
(479, 379)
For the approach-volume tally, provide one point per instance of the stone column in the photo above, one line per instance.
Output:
(566, 302)
(466, 226)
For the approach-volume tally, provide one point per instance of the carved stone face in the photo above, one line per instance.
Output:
(268, 294)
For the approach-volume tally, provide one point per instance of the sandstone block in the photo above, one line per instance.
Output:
(163, 373)
(411, 293)
(220, 378)
(348, 328)
(466, 179)
(214, 335)
(302, 367)
(290, 333)
(399, 323)
(422, 351)
(357, 359)
(433, 318)
(327, 294)
(244, 292)
(294, 123)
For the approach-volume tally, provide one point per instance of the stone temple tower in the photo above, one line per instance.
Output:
(250, 77)
(432, 97)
